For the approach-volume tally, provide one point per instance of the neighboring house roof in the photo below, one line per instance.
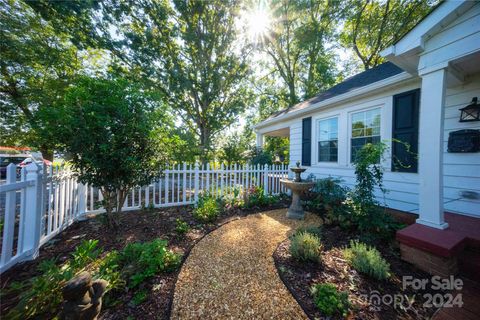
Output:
(378, 73)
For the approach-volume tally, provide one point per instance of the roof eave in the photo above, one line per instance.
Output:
(405, 53)
(337, 99)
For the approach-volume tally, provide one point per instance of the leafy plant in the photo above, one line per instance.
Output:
(141, 261)
(305, 246)
(367, 260)
(103, 119)
(327, 197)
(256, 197)
(366, 213)
(139, 297)
(329, 300)
(208, 209)
(84, 254)
(41, 295)
(317, 231)
(181, 227)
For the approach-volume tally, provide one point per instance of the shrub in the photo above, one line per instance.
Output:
(327, 195)
(317, 231)
(256, 197)
(367, 260)
(181, 227)
(140, 261)
(329, 300)
(104, 119)
(305, 246)
(208, 209)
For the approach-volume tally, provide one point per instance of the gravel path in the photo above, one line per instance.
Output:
(230, 274)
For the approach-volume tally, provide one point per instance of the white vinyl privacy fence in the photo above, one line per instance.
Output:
(38, 203)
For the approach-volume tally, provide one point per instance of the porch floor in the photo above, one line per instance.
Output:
(462, 231)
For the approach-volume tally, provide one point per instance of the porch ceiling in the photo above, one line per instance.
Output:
(284, 132)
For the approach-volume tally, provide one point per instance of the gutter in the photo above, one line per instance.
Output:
(341, 98)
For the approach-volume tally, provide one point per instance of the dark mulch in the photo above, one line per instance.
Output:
(300, 277)
(134, 226)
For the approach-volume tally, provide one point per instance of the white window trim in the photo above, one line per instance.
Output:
(349, 128)
(315, 142)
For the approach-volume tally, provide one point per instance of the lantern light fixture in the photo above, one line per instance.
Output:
(470, 112)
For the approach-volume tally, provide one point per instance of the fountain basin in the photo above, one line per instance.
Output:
(295, 211)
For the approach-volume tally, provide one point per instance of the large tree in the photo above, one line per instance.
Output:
(189, 50)
(372, 25)
(36, 63)
(296, 45)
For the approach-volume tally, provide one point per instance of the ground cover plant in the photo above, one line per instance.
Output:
(367, 260)
(329, 300)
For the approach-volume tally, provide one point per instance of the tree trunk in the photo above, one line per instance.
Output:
(109, 200)
(47, 153)
(292, 94)
(205, 141)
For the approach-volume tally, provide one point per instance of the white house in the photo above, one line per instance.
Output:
(431, 73)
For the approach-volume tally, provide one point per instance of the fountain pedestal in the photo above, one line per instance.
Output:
(295, 211)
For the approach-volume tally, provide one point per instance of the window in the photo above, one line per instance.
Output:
(365, 129)
(327, 140)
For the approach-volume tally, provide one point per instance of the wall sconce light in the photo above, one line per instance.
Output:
(470, 112)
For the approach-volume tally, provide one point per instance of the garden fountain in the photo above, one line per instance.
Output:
(295, 211)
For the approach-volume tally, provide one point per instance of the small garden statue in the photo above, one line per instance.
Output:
(82, 297)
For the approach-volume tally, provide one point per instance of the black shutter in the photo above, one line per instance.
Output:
(306, 141)
(405, 130)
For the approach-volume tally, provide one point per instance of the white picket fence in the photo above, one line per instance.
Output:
(37, 203)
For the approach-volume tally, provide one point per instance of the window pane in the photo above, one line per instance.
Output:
(327, 140)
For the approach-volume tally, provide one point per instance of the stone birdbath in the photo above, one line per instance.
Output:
(298, 187)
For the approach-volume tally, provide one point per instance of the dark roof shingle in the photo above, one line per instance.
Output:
(380, 72)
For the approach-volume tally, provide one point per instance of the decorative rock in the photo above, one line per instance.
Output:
(82, 297)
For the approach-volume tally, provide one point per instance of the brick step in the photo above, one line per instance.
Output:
(469, 263)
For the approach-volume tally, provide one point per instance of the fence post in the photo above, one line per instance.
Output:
(33, 211)
(82, 201)
(196, 182)
(265, 179)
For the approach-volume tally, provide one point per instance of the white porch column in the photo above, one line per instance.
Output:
(260, 139)
(430, 156)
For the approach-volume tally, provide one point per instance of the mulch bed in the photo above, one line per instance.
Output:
(300, 277)
(134, 226)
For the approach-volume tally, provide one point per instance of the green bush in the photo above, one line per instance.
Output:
(141, 261)
(181, 227)
(329, 300)
(208, 209)
(367, 260)
(256, 197)
(327, 196)
(317, 231)
(305, 246)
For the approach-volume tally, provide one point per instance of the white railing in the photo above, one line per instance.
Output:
(37, 204)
